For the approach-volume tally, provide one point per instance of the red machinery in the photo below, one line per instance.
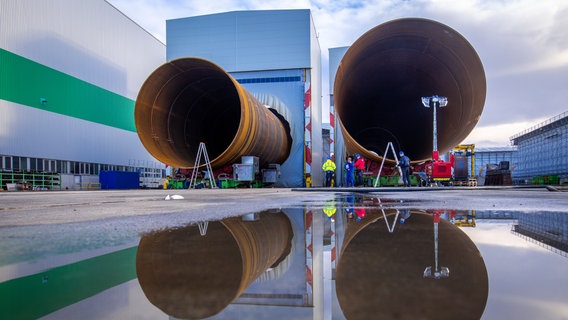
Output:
(440, 171)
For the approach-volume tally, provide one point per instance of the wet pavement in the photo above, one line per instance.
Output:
(483, 253)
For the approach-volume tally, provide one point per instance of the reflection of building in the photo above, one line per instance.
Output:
(103, 267)
(549, 229)
(232, 264)
(500, 215)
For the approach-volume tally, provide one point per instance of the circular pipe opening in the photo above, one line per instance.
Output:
(384, 74)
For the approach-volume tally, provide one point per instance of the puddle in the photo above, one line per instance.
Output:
(354, 257)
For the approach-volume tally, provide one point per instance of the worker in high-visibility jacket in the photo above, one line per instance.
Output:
(329, 169)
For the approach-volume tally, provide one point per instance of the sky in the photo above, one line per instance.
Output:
(523, 45)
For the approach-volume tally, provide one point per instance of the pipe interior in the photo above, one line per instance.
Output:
(206, 109)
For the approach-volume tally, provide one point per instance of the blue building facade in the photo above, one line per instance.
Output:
(543, 150)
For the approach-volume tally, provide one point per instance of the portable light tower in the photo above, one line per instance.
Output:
(441, 170)
(435, 102)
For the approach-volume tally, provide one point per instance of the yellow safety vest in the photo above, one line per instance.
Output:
(328, 166)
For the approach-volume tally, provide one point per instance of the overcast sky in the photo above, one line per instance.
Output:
(523, 45)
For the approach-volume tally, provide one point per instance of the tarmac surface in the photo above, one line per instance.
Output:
(56, 207)
(75, 241)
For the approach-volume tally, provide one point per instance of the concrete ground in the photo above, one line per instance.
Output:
(54, 207)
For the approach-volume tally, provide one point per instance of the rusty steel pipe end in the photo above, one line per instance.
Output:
(190, 100)
(383, 75)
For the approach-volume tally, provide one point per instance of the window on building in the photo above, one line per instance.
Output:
(16, 163)
(7, 163)
(24, 163)
(74, 166)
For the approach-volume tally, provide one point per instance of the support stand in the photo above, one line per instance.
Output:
(383, 162)
(203, 227)
(202, 152)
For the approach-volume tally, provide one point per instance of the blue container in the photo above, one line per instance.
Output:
(114, 180)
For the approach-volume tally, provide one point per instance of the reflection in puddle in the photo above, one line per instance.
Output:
(352, 257)
(381, 272)
(193, 274)
(389, 264)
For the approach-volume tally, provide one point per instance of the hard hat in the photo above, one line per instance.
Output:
(358, 155)
(401, 152)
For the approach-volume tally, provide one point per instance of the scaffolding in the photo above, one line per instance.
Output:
(14, 180)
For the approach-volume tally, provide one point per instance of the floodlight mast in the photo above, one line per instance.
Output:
(439, 272)
(435, 102)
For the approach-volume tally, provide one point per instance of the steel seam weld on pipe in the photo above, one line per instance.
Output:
(384, 74)
(191, 100)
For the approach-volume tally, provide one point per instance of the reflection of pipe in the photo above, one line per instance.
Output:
(191, 276)
(189, 100)
(379, 273)
(382, 77)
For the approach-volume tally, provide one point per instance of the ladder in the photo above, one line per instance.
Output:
(383, 162)
(202, 152)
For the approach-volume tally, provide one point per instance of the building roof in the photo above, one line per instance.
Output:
(547, 125)
(497, 149)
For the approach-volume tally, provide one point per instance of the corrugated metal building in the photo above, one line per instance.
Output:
(538, 155)
(69, 74)
(494, 155)
(275, 55)
(543, 151)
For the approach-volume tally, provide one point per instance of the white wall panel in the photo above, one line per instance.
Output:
(31, 132)
(244, 40)
(88, 39)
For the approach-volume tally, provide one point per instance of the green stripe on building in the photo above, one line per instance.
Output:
(26, 82)
(40, 294)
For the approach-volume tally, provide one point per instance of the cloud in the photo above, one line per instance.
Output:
(498, 135)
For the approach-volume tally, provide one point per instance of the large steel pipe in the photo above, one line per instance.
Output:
(383, 75)
(189, 100)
